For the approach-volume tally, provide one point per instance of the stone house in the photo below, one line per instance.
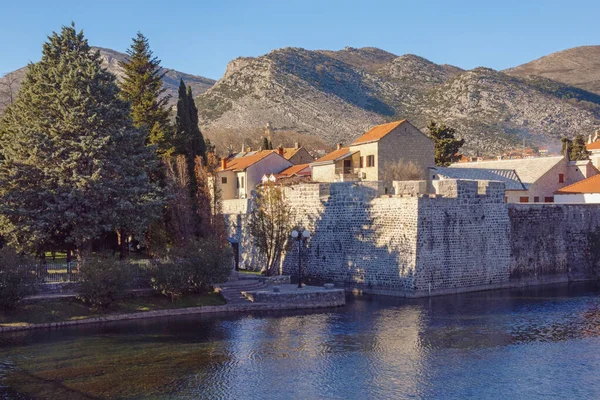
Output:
(541, 177)
(586, 191)
(366, 157)
(238, 176)
(296, 155)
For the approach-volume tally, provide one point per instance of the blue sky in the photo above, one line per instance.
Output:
(201, 36)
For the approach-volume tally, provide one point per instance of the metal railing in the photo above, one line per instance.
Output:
(69, 272)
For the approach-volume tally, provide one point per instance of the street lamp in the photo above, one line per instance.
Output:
(300, 237)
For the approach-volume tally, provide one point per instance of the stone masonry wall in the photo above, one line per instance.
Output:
(408, 245)
(463, 238)
(554, 242)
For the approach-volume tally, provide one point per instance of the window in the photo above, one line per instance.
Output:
(561, 178)
(224, 180)
(370, 161)
(242, 182)
(548, 199)
(506, 199)
(536, 199)
(523, 199)
(361, 162)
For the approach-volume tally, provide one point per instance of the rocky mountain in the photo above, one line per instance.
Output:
(337, 95)
(579, 67)
(9, 84)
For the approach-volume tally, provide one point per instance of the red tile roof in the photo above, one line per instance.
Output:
(334, 155)
(589, 185)
(593, 146)
(377, 132)
(241, 163)
(294, 170)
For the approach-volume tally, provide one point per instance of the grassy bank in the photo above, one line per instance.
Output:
(71, 309)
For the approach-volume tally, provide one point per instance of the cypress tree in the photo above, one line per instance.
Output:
(74, 166)
(188, 137)
(142, 87)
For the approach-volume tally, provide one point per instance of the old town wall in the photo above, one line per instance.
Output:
(463, 238)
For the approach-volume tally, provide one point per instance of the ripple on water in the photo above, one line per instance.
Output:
(511, 344)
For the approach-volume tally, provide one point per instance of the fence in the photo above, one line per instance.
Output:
(69, 272)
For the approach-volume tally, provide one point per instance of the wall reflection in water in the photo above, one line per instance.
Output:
(505, 344)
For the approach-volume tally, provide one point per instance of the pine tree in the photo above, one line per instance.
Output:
(74, 165)
(446, 144)
(578, 151)
(265, 145)
(142, 87)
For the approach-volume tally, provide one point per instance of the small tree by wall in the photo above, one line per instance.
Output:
(402, 171)
(270, 224)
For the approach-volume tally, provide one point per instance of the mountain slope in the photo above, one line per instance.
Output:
(579, 66)
(111, 59)
(338, 95)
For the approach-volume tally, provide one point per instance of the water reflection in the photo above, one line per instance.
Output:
(507, 344)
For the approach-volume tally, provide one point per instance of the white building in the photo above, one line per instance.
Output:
(238, 176)
(586, 191)
(541, 177)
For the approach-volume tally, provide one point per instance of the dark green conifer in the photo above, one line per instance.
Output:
(74, 165)
(142, 87)
(446, 144)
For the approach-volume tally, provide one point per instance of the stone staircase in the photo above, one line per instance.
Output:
(232, 291)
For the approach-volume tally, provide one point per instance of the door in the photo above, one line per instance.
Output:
(348, 166)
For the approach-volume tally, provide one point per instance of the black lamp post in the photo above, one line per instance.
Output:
(300, 237)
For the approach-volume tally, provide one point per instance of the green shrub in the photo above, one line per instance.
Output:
(193, 268)
(170, 278)
(104, 280)
(15, 282)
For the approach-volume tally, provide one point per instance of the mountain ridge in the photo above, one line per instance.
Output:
(338, 95)
(111, 59)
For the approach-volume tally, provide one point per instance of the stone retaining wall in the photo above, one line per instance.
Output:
(250, 307)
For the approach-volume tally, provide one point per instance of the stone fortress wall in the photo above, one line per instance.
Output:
(413, 243)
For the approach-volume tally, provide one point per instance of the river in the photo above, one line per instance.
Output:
(510, 344)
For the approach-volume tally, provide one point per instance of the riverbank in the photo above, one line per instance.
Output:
(68, 311)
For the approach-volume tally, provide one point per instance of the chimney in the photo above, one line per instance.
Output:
(223, 163)
(339, 146)
(296, 145)
(280, 151)
(590, 139)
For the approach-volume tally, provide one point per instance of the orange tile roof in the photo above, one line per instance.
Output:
(593, 146)
(334, 155)
(293, 170)
(241, 163)
(589, 185)
(288, 152)
(377, 132)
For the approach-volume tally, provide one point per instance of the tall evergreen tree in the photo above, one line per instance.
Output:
(142, 87)
(446, 144)
(74, 165)
(188, 137)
